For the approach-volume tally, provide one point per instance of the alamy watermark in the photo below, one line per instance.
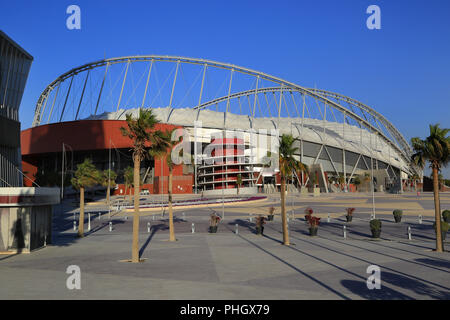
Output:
(374, 20)
(374, 280)
(74, 20)
(74, 280)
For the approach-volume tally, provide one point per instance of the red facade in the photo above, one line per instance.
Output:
(85, 135)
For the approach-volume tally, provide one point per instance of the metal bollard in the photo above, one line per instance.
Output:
(409, 233)
(420, 219)
(89, 221)
(193, 228)
(237, 229)
(110, 226)
(153, 218)
(99, 216)
(328, 219)
(184, 217)
(74, 225)
(148, 227)
(345, 232)
(250, 219)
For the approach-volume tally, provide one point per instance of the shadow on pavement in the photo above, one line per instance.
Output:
(154, 230)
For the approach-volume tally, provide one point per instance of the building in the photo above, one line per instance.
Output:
(15, 65)
(25, 213)
(230, 134)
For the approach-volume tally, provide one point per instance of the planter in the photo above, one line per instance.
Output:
(213, 229)
(397, 219)
(313, 231)
(349, 218)
(259, 230)
(375, 233)
(270, 217)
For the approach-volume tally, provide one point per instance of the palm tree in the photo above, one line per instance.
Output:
(367, 181)
(108, 179)
(238, 182)
(139, 131)
(341, 180)
(415, 177)
(86, 176)
(162, 147)
(128, 176)
(357, 182)
(436, 150)
(287, 164)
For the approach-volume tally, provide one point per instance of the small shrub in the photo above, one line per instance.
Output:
(446, 215)
(375, 224)
(444, 226)
(397, 213)
(309, 211)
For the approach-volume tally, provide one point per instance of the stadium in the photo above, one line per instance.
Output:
(234, 111)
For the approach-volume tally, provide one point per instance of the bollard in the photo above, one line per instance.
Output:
(89, 221)
(74, 218)
(99, 216)
(153, 218)
(345, 232)
(193, 228)
(409, 233)
(110, 226)
(237, 229)
(420, 219)
(250, 219)
(74, 225)
(328, 219)
(148, 227)
(184, 217)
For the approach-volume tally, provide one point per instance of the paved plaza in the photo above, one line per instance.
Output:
(242, 265)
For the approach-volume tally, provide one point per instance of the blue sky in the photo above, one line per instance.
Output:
(402, 70)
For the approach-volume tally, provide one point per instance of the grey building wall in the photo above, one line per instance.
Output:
(15, 65)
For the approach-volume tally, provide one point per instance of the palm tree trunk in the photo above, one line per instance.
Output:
(437, 210)
(283, 211)
(108, 191)
(81, 218)
(135, 246)
(169, 191)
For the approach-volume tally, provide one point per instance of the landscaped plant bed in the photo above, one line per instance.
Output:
(397, 215)
(196, 202)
